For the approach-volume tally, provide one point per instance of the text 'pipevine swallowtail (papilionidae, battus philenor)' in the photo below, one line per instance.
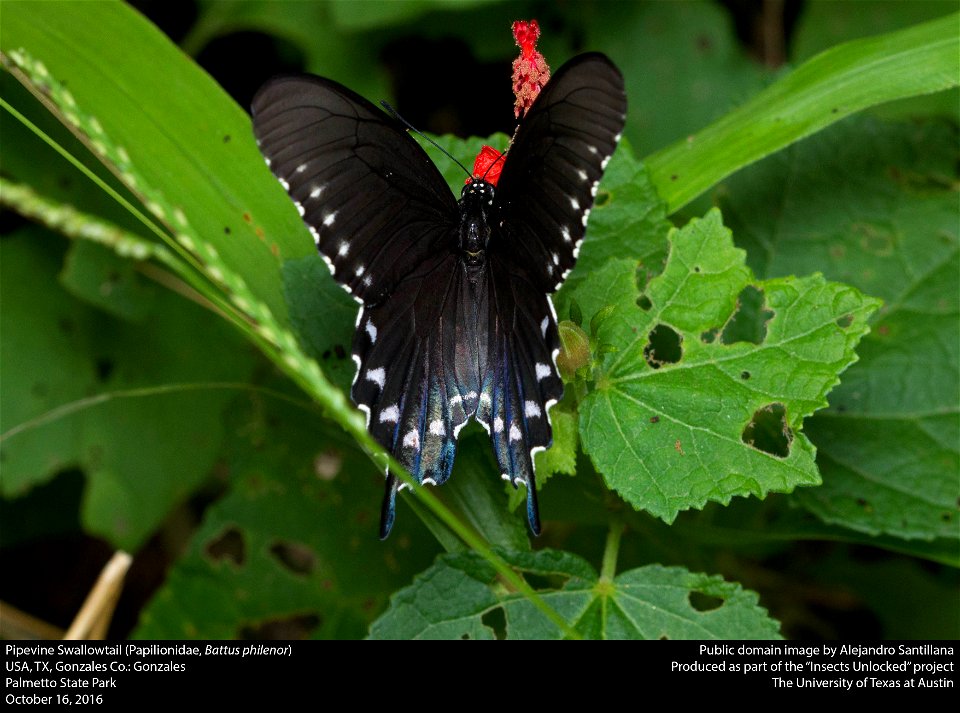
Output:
(456, 319)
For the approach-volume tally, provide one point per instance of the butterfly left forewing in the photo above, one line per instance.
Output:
(373, 201)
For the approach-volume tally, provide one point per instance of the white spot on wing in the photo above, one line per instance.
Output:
(317, 190)
(593, 188)
(543, 371)
(372, 331)
(301, 168)
(565, 232)
(428, 481)
(329, 218)
(593, 150)
(315, 234)
(498, 425)
(378, 376)
(556, 259)
(359, 270)
(603, 164)
(586, 215)
(300, 209)
(343, 249)
(283, 182)
(437, 428)
(531, 409)
(515, 434)
(455, 400)
(367, 281)
(574, 203)
(582, 174)
(391, 414)
(543, 326)
(412, 439)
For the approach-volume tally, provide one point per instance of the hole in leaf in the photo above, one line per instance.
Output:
(464, 637)
(696, 268)
(228, 545)
(602, 199)
(496, 620)
(545, 581)
(664, 637)
(710, 335)
(744, 375)
(664, 347)
(104, 368)
(644, 303)
(768, 431)
(749, 322)
(654, 419)
(294, 556)
(296, 627)
(704, 602)
(845, 321)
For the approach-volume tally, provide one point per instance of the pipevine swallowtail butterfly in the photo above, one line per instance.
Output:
(456, 319)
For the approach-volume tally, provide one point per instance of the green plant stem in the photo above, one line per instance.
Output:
(611, 550)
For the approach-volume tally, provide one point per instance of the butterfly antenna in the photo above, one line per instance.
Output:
(420, 133)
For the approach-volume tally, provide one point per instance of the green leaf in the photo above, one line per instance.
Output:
(832, 85)
(459, 597)
(628, 219)
(323, 316)
(291, 550)
(176, 127)
(875, 205)
(132, 405)
(106, 280)
(678, 415)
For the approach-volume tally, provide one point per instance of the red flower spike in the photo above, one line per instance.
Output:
(530, 70)
(487, 165)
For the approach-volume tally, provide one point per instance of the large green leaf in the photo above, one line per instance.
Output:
(875, 205)
(190, 146)
(460, 598)
(689, 407)
(135, 406)
(832, 85)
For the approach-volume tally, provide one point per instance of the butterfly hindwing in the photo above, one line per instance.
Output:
(520, 382)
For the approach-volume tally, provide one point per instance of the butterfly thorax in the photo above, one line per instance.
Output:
(476, 204)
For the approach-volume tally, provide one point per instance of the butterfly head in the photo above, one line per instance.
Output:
(476, 206)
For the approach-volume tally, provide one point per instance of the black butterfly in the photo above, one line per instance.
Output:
(456, 321)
